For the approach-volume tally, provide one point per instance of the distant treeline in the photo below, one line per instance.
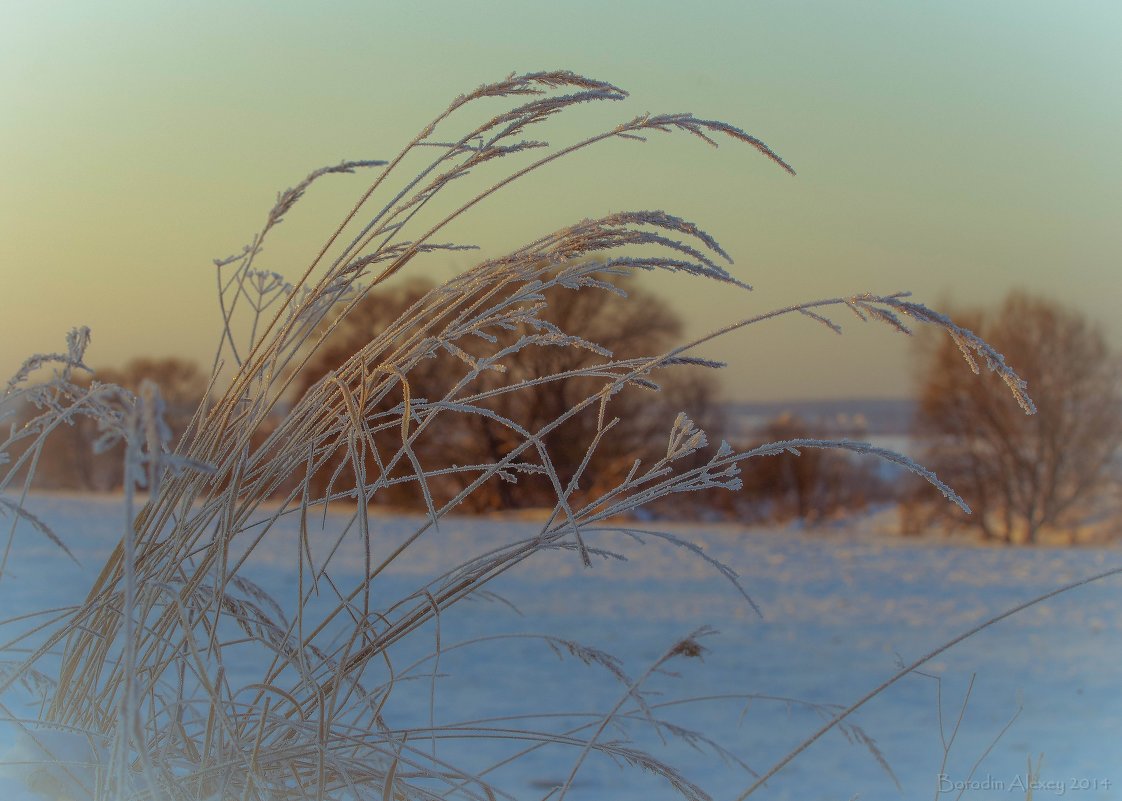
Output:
(1023, 475)
(816, 486)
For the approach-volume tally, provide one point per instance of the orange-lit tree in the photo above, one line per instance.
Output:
(1024, 474)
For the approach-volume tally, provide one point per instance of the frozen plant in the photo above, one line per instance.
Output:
(149, 668)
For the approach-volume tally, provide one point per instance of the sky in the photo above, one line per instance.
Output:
(955, 149)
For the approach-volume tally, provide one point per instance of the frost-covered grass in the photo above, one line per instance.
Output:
(229, 639)
(839, 609)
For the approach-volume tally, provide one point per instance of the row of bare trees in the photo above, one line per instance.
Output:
(1020, 474)
(641, 325)
(812, 487)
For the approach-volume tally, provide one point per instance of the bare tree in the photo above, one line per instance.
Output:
(71, 462)
(628, 326)
(343, 336)
(1023, 474)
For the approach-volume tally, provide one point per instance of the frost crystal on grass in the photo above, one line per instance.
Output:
(149, 668)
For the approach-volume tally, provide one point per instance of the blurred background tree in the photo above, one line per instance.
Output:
(1024, 474)
(639, 325)
(68, 460)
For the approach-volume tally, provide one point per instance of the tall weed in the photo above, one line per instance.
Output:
(146, 673)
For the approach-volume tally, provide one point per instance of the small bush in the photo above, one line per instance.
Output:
(812, 486)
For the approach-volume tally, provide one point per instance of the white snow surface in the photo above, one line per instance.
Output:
(841, 608)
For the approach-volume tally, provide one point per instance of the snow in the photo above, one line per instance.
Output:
(840, 610)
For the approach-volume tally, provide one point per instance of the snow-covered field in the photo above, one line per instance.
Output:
(840, 609)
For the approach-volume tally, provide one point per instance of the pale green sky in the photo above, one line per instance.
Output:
(956, 149)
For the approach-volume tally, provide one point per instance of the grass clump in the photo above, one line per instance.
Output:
(145, 678)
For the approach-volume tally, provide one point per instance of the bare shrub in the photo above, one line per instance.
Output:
(1025, 475)
(812, 486)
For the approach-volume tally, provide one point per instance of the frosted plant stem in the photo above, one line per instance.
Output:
(152, 661)
(778, 766)
(630, 694)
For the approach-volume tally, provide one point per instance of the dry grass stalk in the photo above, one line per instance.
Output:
(144, 666)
